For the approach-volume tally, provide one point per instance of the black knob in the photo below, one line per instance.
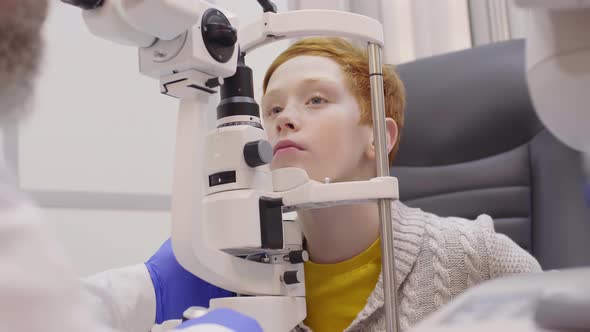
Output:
(85, 4)
(221, 33)
(298, 256)
(268, 6)
(257, 153)
(213, 82)
(291, 277)
(218, 35)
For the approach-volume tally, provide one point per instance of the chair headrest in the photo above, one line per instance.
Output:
(466, 106)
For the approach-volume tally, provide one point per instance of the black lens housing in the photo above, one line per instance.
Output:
(237, 93)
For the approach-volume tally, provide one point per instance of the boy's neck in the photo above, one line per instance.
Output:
(338, 233)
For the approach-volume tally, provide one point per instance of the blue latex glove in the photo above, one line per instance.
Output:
(224, 318)
(176, 288)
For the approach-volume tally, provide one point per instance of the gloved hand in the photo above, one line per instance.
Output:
(176, 288)
(223, 318)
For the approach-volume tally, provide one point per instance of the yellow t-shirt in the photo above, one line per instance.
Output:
(336, 293)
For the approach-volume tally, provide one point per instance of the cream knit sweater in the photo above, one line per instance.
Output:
(437, 259)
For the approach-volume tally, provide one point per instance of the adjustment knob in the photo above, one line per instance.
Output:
(298, 256)
(221, 33)
(218, 35)
(291, 277)
(257, 153)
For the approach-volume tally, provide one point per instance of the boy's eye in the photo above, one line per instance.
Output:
(275, 110)
(316, 100)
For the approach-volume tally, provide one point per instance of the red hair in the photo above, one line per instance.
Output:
(354, 63)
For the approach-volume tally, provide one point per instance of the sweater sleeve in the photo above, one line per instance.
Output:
(507, 258)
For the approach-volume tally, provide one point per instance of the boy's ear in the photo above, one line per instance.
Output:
(392, 136)
(392, 133)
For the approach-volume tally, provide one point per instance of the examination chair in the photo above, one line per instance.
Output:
(473, 144)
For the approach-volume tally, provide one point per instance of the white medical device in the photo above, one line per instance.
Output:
(544, 302)
(558, 74)
(227, 225)
(558, 70)
(558, 67)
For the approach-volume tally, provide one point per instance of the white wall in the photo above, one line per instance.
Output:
(97, 240)
(101, 127)
(98, 125)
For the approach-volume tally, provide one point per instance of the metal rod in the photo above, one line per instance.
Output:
(386, 229)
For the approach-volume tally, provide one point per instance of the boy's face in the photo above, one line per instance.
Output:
(312, 121)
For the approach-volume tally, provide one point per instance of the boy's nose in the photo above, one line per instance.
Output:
(286, 125)
(286, 122)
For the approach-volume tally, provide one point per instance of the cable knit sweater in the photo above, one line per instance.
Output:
(436, 259)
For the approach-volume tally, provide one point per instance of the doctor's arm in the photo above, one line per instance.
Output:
(38, 287)
(134, 298)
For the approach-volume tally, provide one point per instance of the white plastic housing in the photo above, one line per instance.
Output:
(233, 221)
(299, 192)
(236, 230)
(187, 53)
(225, 152)
(301, 23)
(558, 73)
(141, 22)
(168, 33)
(274, 314)
(164, 19)
(517, 303)
(109, 22)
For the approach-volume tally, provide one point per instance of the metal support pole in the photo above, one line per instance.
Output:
(386, 229)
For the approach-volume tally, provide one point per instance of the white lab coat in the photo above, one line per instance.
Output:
(39, 290)
(123, 299)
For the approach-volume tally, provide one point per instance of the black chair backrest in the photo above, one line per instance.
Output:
(472, 144)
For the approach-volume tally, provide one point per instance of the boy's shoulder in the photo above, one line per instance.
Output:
(475, 240)
(442, 238)
(482, 224)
